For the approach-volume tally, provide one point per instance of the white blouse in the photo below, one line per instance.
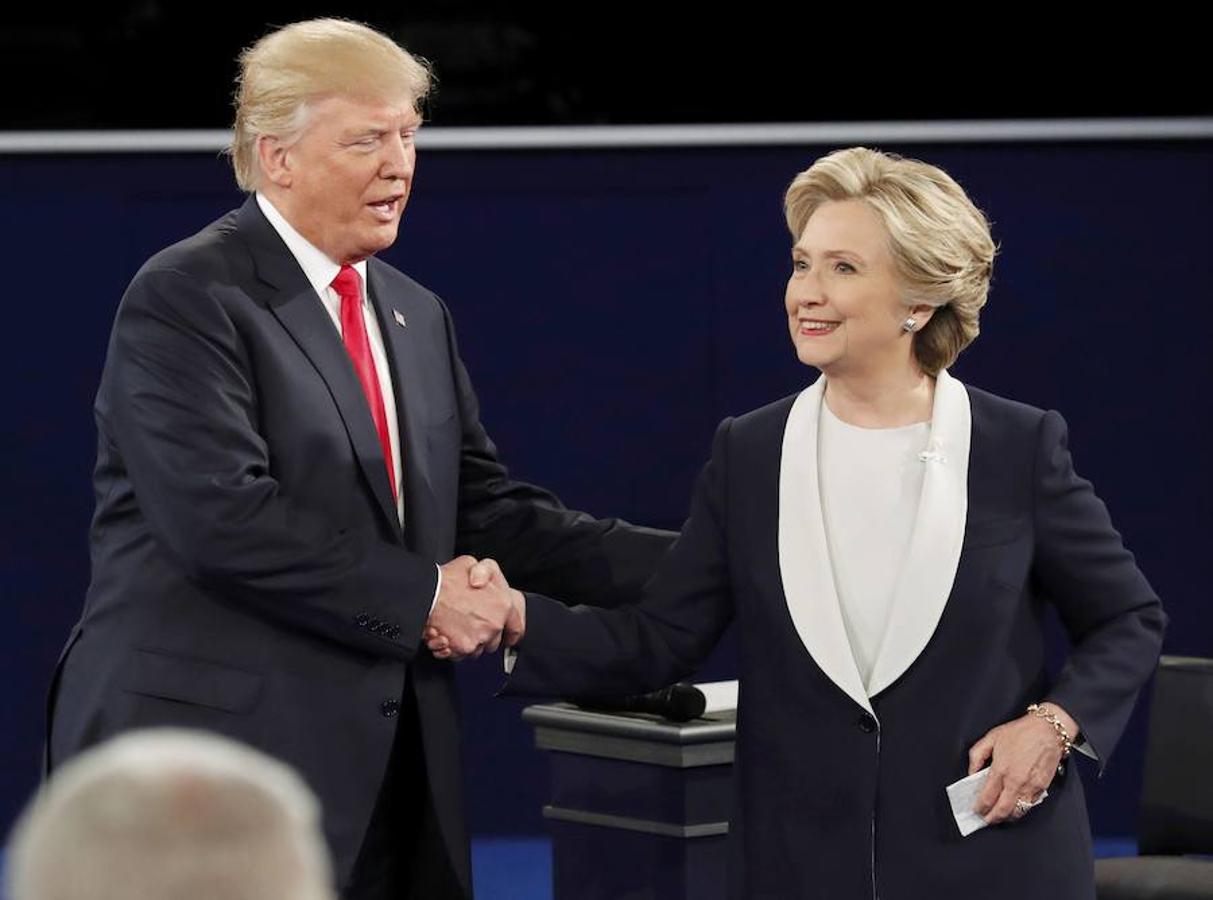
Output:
(870, 481)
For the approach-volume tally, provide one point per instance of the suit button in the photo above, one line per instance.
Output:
(867, 724)
(362, 620)
(389, 708)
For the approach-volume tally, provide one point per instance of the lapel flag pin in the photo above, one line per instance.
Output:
(399, 318)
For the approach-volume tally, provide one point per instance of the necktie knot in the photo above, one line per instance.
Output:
(348, 285)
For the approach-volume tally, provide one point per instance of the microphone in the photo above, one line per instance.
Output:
(679, 703)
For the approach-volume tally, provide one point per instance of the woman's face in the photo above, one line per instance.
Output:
(843, 301)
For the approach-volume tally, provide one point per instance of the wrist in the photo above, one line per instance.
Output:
(1064, 727)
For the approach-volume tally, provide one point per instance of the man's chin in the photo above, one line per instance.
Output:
(380, 239)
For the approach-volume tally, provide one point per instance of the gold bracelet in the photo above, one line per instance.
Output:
(1062, 735)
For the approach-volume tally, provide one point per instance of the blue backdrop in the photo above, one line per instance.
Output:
(612, 307)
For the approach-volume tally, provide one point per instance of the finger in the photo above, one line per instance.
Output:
(515, 620)
(1004, 807)
(463, 646)
(990, 792)
(461, 563)
(980, 753)
(515, 626)
(484, 572)
(493, 643)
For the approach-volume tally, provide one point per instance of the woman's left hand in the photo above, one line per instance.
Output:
(1025, 754)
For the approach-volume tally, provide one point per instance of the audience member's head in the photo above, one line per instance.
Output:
(168, 813)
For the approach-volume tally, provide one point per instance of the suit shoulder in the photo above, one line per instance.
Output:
(993, 407)
(203, 275)
(772, 415)
(202, 254)
(760, 429)
(1002, 423)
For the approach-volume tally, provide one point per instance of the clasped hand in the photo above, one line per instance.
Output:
(476, 611)
(1024, 755)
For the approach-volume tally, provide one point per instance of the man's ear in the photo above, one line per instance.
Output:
(273, 156)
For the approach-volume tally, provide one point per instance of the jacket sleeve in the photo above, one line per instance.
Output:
(588, 652)
(541, 545)
(180, 404)
(1114, 619)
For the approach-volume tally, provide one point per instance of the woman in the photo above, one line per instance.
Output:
(888, 540)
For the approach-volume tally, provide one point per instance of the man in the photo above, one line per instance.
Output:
(288, 446)
(170, 814)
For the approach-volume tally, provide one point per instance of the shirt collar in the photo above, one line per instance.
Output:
(317, 267)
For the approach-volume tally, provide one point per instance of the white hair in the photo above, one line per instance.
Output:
(170, 814)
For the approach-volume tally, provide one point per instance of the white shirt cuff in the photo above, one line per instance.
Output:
(1086, 749)
(437, 588)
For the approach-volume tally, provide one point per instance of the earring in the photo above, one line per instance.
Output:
(908, 325)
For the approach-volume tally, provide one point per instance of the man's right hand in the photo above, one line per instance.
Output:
(470, 617)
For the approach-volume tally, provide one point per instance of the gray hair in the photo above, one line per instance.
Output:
(170, 814)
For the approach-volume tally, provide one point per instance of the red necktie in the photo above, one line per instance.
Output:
(353, 330)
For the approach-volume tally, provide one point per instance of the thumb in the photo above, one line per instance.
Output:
(480, 574)
(515, 622)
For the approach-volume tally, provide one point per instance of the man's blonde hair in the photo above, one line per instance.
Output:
(940, 241)
(170, 814)
(291, 68)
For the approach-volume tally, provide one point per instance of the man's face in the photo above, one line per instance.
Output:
(347, 178)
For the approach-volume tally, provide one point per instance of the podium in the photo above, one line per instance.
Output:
(639, 806)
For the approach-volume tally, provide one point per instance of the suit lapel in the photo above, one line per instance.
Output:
(295, 304)
(929, 569)
(804, 555)
(409, 380)
(925, 581)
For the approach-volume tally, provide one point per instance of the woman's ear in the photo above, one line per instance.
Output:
(921, 313)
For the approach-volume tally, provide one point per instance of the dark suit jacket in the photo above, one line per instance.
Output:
(249, 572)
(843, 798)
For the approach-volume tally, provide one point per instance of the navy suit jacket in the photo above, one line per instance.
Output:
(250, 575)
(839, 798)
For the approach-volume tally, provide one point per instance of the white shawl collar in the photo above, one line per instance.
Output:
(930, 564)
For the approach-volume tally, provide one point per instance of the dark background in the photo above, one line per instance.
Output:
(613, 305)
(155, 64)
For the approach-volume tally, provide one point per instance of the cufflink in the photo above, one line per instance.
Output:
(396, 314)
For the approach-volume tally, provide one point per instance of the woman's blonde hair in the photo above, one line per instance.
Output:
(292, 67)
(940, 241)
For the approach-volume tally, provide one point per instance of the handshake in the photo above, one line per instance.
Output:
(476, 611)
